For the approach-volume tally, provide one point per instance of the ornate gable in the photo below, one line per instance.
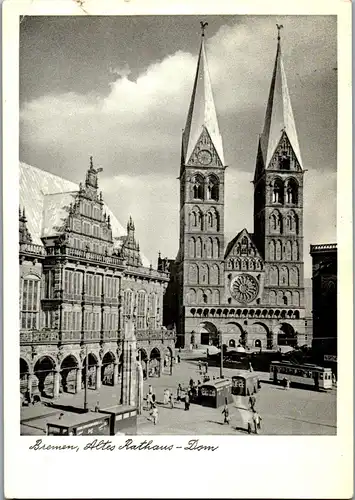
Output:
(204, 153)
(242, 254)
(284, 158)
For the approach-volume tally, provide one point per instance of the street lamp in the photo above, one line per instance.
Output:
(221, 347)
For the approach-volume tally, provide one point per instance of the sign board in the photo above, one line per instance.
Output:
(330, 357)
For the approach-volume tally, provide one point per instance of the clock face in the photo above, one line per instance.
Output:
(244, 288)
(204, 157)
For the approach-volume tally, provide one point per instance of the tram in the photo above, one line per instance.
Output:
(308, 374)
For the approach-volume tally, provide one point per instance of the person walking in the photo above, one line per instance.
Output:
(150, 389)
(178, 358)
(252, 402)
(179, 393)
(171, 399)
(149, 401)
(256, 421)
(187, 402)
(250, 367)
(225, 412)
(154, 414)
(166, 396)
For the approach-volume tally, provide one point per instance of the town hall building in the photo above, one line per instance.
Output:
(248, 291)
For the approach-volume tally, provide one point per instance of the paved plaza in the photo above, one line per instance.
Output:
(296, 411)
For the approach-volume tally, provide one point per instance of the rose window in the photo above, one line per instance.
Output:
(244, 288)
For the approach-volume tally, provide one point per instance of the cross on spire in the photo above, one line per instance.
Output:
(279, 28)
(203, 27)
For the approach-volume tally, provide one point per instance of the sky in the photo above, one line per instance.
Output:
(118, 88)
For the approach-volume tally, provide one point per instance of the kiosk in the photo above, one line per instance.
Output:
(83, 424)
(123, 419)
(215, 393)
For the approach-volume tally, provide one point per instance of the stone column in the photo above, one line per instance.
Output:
(129, 372)
(115, 374)
(29, 383)
(98, 376)
(78, 380)
(56, 383)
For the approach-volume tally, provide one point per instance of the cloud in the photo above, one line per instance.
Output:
(133, 130)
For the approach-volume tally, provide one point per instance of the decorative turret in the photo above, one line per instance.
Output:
(91, 175)
(24, 234)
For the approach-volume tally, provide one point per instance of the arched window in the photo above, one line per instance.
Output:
(209, 248)
(278, 191)
(278, 250)
(193, 274)
(272, 250)
(141, 310)
(276, 222)
(285, 301)
(197, 187)
(127, 303)
(30, 302)
(295, 254)
(152, 310)
(213, 188)
(292, 192)
(209, 219)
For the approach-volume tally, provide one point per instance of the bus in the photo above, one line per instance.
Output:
(318, 376)
(245, 384)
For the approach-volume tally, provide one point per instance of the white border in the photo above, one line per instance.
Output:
(274, 467)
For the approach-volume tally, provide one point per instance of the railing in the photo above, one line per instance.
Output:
(32, 249)
(74, 336)
(111, 335)
(157, 334)
(33, 337)
(147, 271)
(91, 335)
(83, 254)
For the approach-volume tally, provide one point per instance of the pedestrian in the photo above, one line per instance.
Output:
(250, 367)
(154, 414)
(191, 383)
(153, 399)
(252, 401)
(149, 401)
(166, 397)
(171, 398)
(150, 389)
(256, 421)
(187, 402)
(225, 412)
(179, 392)
(178, 358)
(97, 407)
(285, 382)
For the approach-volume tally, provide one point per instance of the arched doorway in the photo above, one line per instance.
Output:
(108, 368)
(260, 335)
(24, 376)
(154, 363)
(287, 335)
(44, 377)
(91, 363)
(68, 371)
(209, 334)
(233, 334)
(143, 357)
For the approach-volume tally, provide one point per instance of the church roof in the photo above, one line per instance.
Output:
(45, 196)
(279, 114)
(202, 112)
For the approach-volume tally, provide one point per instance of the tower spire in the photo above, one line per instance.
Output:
(202, 112)
(279, 115)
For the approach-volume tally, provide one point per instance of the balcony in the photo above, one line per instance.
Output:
(39, 337)
(156, 334)
(108, 260)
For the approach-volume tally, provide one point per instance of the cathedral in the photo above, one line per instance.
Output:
(248, 291)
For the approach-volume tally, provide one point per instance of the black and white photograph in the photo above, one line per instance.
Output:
(177, 227)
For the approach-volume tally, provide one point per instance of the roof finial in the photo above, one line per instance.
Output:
(279, 28)
(91, 163)
(203, 27)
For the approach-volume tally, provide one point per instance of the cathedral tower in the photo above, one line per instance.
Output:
(201, 246)
(278, 200)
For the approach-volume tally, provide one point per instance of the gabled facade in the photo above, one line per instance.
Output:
(82, 279)
(252, 292)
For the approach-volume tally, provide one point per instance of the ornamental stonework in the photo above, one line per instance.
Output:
(244, 288)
